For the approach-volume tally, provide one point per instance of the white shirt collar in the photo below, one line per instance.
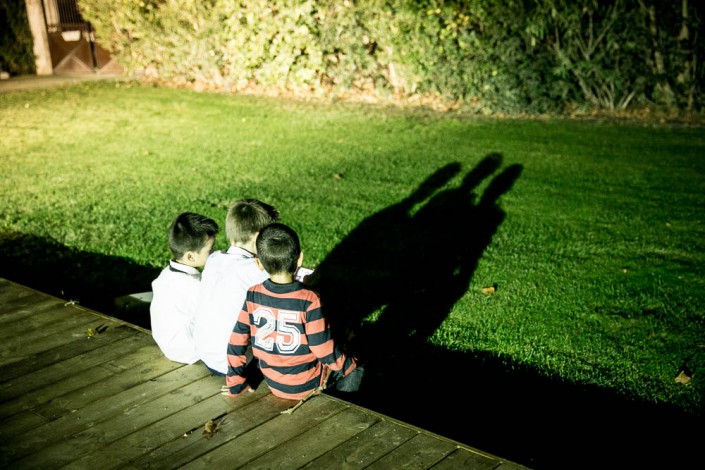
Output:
(236, 250)
(191, 271)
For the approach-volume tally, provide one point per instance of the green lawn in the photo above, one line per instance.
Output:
(592, 232)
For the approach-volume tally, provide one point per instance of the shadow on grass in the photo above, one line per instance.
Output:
(514, 413)
(410, 263)
(93, 280)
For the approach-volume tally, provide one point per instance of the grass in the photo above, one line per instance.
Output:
(592, 232)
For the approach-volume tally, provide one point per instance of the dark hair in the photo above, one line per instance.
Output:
(190, 232)
(246, 217)
(278, 248)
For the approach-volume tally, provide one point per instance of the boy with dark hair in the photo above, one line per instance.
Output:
(284, 320)
(226, 278)
(175, 290)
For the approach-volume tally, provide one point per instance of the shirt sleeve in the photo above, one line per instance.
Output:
(320, 341)
(236, 354)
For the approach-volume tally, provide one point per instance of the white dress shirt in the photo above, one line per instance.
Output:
(224, 283)
(173, 310)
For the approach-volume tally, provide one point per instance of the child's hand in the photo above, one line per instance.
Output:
(225, 390)
(305, 275)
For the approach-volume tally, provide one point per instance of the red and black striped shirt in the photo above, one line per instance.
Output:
(290, 337)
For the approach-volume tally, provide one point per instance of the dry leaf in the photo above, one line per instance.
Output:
(91, 332)
(211, 427)
(683, 378)
(489, 289)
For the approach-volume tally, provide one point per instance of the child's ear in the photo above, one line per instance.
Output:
(301, 260)
(259, 264)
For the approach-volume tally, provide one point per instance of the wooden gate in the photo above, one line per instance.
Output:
(72, 43)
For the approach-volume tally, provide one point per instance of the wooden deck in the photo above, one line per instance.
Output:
(71, 398)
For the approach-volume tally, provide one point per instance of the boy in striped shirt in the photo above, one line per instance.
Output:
(283, 321)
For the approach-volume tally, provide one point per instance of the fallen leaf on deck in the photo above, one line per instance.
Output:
(211, 427)
(91, 332)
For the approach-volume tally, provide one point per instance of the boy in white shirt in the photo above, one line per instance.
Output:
(175, 290)
(225, 280)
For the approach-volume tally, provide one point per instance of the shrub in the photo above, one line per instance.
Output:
(509, 56)
(16, 42)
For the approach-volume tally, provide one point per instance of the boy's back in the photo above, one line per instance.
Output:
(226, 278)
(173, 310)
(224, 283)
(293, 342)
(282, 324)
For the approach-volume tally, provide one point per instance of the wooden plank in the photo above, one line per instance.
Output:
(63, 352)
(119, 425)
(69, 425)
(506, 465)
(245, 415)
(33, 346)
(35, 317)
(423, 451)
(34, 391)
(18, 424)
(7, 286)
(124, 378)
(463, 458)
(37, 380)
(265, 438)
(185, 425)
(18, 304)
(46, 337)
(314, 442)
(33, 308)
(74, 401)
(11, 292)
(366, 447)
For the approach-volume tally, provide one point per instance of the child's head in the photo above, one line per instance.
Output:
(191, 238)
(246, 217)
(278, 249)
